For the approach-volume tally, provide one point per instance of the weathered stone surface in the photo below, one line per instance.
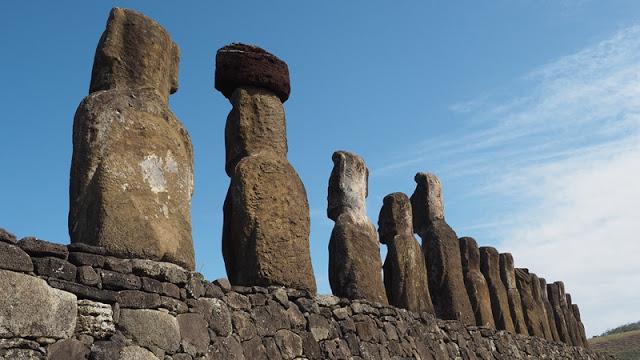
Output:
(354, 251)
(256, 124)
(135, 52)
(136, 353)
(21, 354)
(475, 282)
(36, 247)
(83, 291)
(555, 296)
(69, 349)
(14, 258)
(30, 308)
(134, 299)
(132, 164)
(54, 267)
(490, 267)
(7, 237)
(216, 313)
(160, 271)
(116, 281)
(576, 336)
(86, 259)
(265, 237)
(567, 313)
(540, 299)
(151, 328)
(583, 334)
(508, 275)
(227, 348)
(441, 250)
(240, 65)
(534, 318)
(194, 333)
(405, 273)
(553, 328)
(95, 319)
(87, 275)
(289, 343)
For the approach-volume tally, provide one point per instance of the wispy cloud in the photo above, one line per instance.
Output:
(565, 156)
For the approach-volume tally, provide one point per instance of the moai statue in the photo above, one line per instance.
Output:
(555, 296)
(405, 273)
(490, 267)
(265, 239)
(354, 252)
(475, 282)
(132, 165)
(532, 316)
(551, 318)
(572, 324)
(540, 298)
(508, 275)
(441, 251)
(575, 324)
(583, 334)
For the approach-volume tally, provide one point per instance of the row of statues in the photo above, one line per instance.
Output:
(132, 183)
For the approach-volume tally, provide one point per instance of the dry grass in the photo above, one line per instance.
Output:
(624, 346)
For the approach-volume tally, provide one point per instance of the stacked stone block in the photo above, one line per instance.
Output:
(143, 309)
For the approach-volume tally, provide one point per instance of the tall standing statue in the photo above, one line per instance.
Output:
(132, 165)
(265, 238)
(405, 273)
(475, 282)
(555, 335)
(354, 252)
(530, 310)
(508, 275)
(490, 267)
(441, 251)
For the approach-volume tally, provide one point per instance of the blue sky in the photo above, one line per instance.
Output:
(529, 111)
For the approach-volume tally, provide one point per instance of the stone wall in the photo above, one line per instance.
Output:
(81, 302)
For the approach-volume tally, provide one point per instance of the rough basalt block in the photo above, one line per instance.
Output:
(7, 237)
(240, 65)
(132, 164)
(508, 275)
(36, 247)
(13, 258)
(405, 272)
(549, 310)
(265, 239)
(354, 251)
(135, 52)
(30, 308)
(490, 267)
(475, 282)
(441, 250)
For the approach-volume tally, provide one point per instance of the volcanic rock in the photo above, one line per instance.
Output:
(475, 282)
(132, 164)
(354, 251)
(508, 275)
(442, 251)
(405, 273)
(490, 267)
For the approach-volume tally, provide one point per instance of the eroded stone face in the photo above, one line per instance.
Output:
(132, 165)
(549, 310)
(556, 298)
(508, 275)
(541, 308)
(135, 52)
(441, 250)
(405, 273)
(265, 237)
(354, 251)
(475, 282)
(490, 267)
(532, 317)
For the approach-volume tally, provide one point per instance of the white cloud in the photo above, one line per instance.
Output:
(565, 157)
